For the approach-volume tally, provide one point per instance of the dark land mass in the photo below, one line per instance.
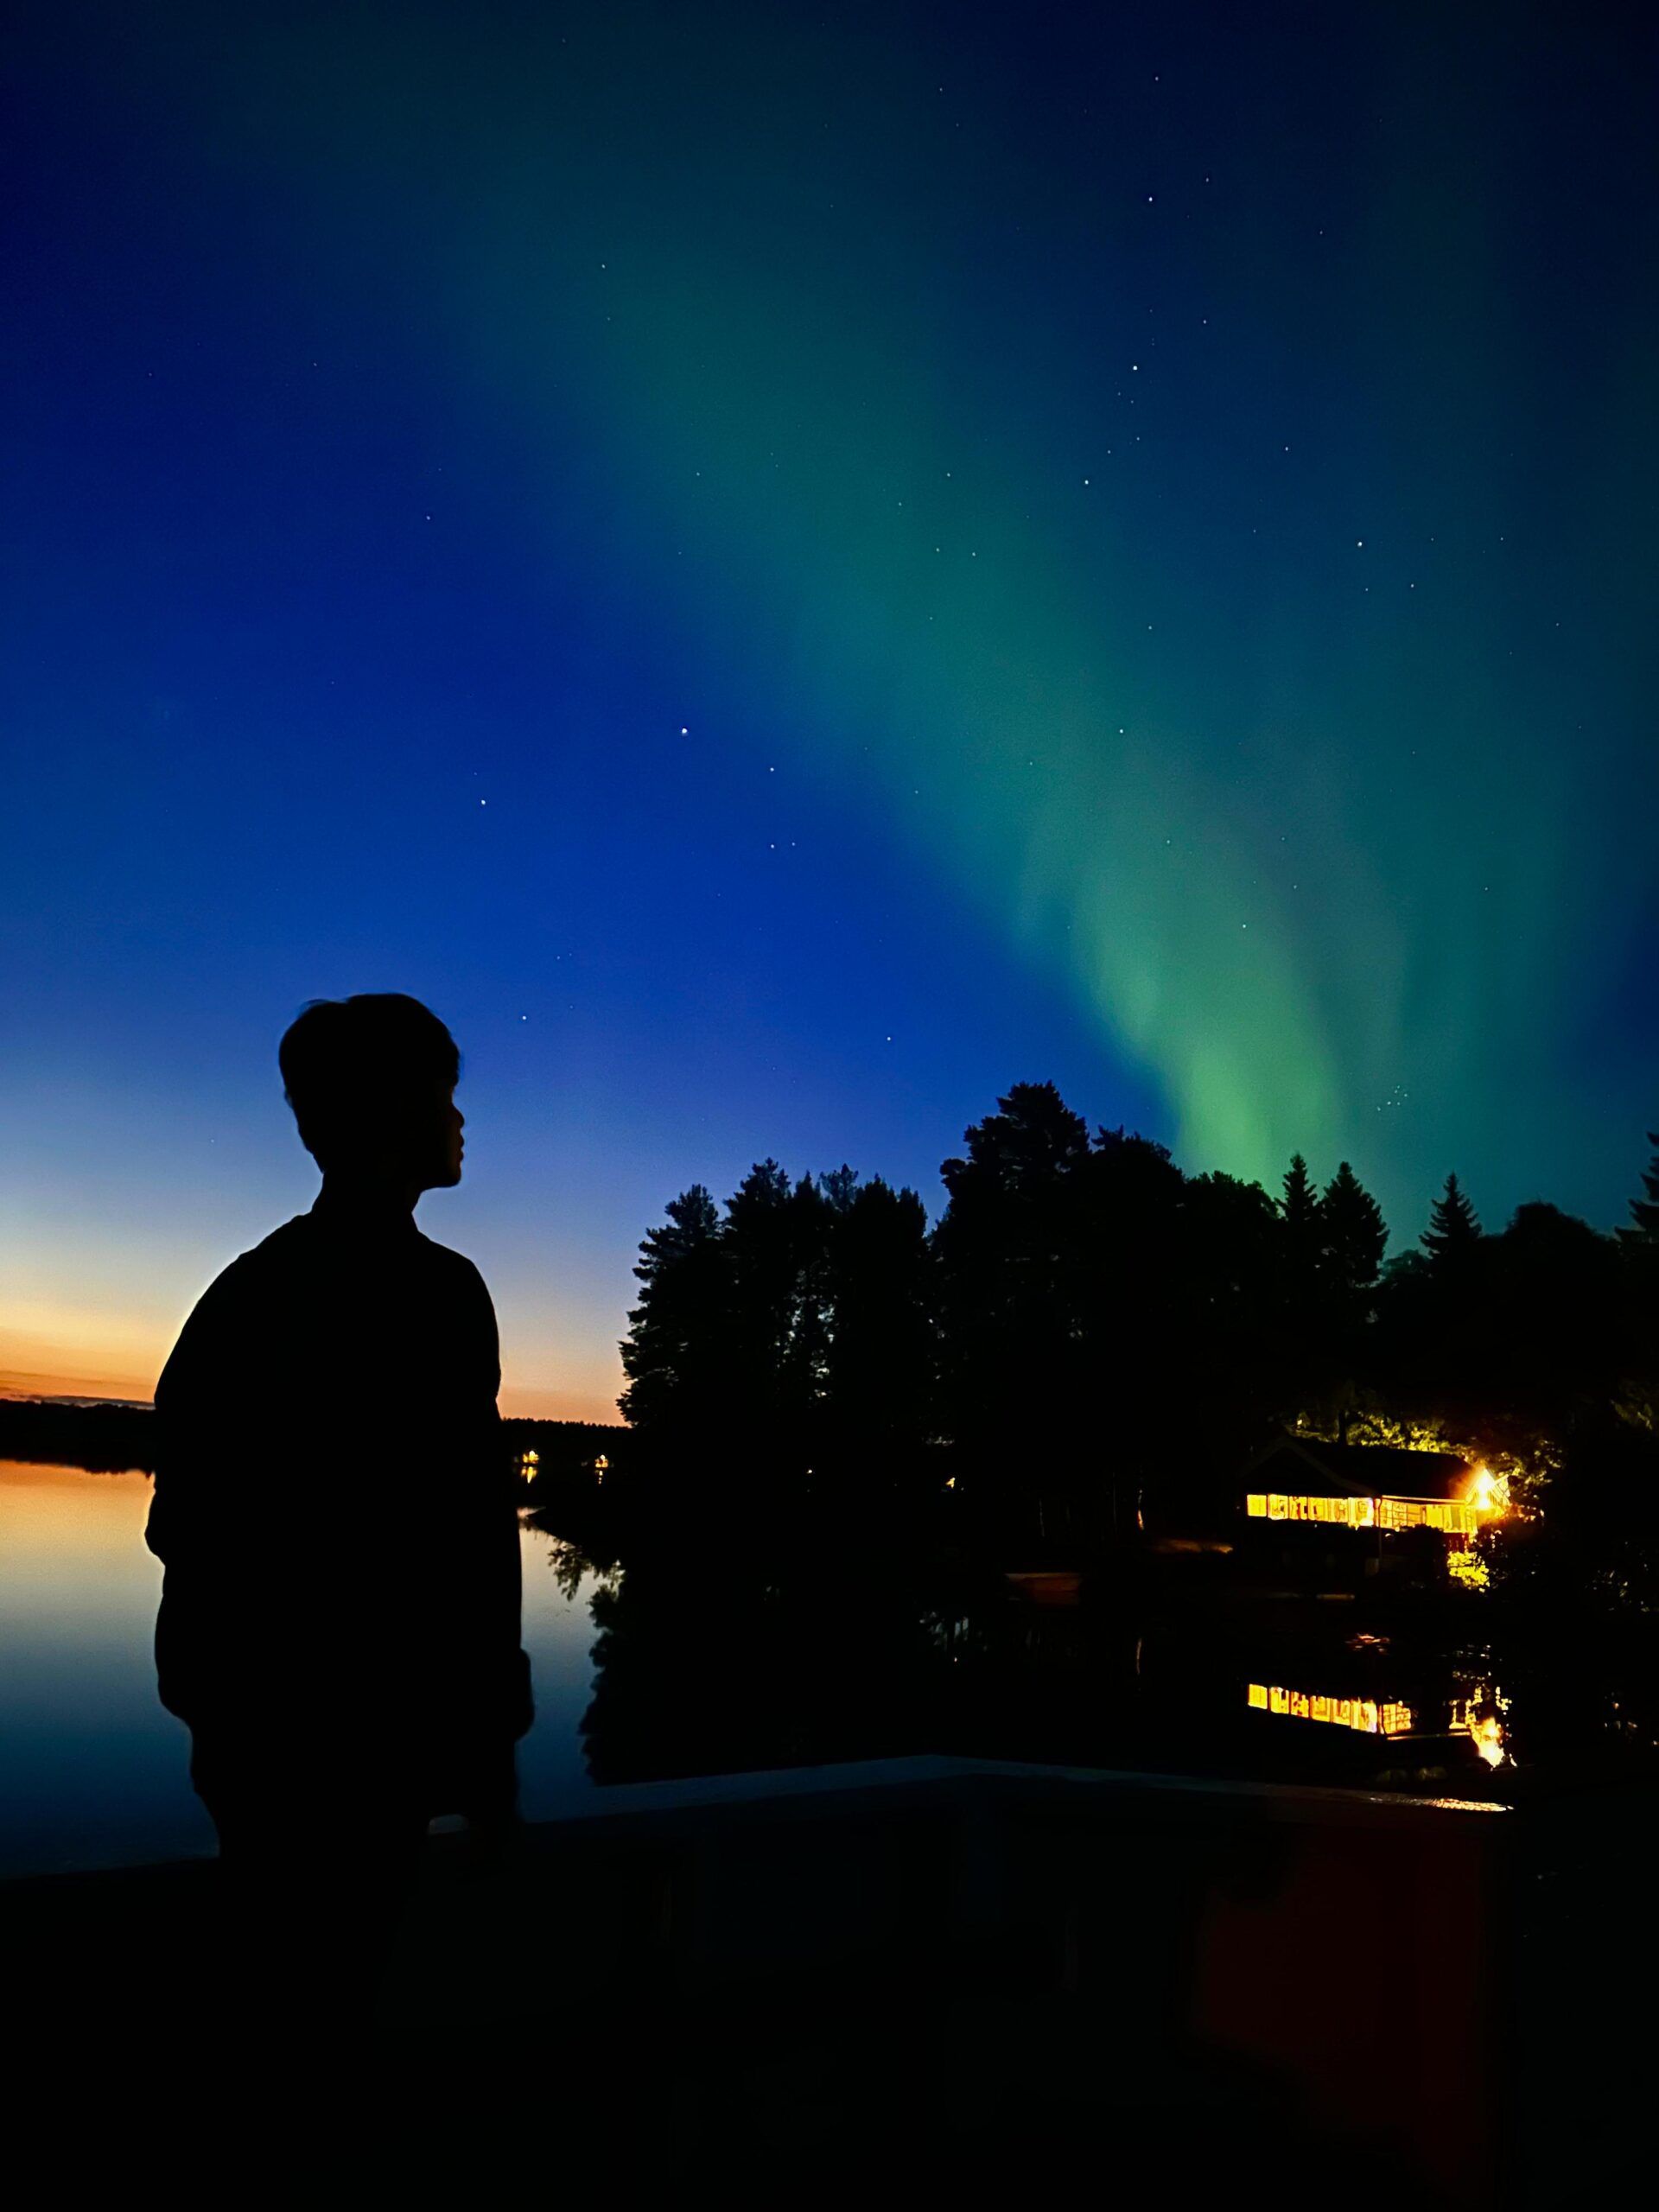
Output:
(109, 1440)
(115, 1439)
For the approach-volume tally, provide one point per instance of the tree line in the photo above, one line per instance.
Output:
(1086, 1315)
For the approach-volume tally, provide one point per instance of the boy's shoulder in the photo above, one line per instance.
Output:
(283, 1248)
(445, 1260)
(295, 1250)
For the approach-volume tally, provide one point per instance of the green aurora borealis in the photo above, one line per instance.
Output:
(1199, 583)
(1168, 488)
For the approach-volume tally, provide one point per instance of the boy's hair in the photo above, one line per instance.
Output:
(348, 1064)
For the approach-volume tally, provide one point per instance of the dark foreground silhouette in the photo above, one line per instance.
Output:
(934, 1980)
(344, 1678)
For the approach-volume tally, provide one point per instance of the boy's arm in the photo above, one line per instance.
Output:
(498, 1473)
(196, 1403)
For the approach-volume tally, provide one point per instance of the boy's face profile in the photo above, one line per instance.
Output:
(372, 1081)
(454, 1143)
(416, 1142)
(431, 1143)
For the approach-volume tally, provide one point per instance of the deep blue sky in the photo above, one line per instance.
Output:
(786, 573)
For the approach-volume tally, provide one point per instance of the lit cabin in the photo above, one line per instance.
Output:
(1298, 1491)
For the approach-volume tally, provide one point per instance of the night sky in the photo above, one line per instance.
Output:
(787, 569)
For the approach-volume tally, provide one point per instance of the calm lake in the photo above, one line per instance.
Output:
(691, 1663)
(93, 1770)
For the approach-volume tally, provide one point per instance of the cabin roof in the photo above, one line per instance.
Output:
(1356, 1470)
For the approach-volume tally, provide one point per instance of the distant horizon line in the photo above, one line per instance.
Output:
(31, 1393)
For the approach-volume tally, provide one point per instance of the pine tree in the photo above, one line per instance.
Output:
(1644, 1213)
(1303, 1235)
(1301, 1203)
(1453, 1230)
(671, 1352)
(1353, 1234)
(880, 1370)
(773, 1332)
(1009, 1269)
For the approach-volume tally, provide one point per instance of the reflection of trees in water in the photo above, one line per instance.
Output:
(710, 1659)
(1580, 1703)
(713, 1655)
(708, 1663)
(571, 1567)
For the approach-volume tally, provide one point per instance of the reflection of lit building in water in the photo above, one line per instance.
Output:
(1478, 1714)
(1300, 1483)
(1480, 1717)
(1364, 1714)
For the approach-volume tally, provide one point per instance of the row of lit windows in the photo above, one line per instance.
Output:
(1347, 1512)
(1362, 1713)
(1453, 1516)
(1478, 1715)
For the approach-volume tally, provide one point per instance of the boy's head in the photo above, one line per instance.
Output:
(371, 1082)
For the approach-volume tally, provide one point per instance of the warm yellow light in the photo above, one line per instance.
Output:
(1468, 1567)
(1277, 1505)
(1363, 1714)
(1487, 1492)
(1488, 1737)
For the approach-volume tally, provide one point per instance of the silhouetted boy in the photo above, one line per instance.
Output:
(339, 1619)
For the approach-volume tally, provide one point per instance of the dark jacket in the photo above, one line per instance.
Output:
(334, 1505)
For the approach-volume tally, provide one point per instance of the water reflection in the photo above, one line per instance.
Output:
(93, 1772)
(1476, 1714)
(1391, 1719)
(1485, 1728)
(701, 1657)
(716, 1663)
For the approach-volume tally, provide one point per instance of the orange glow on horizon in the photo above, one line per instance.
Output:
(528, 1401)
(74, 1379)
(34, 1382)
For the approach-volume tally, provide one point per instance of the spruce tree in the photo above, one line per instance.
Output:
(1301, 1203)
(878, 1379)
(769, 1233)
(1644, 1213)
(1010, 1253)
(671, 1353)
(1352, 1234)
(1453, 1229)
(1303, 1236)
